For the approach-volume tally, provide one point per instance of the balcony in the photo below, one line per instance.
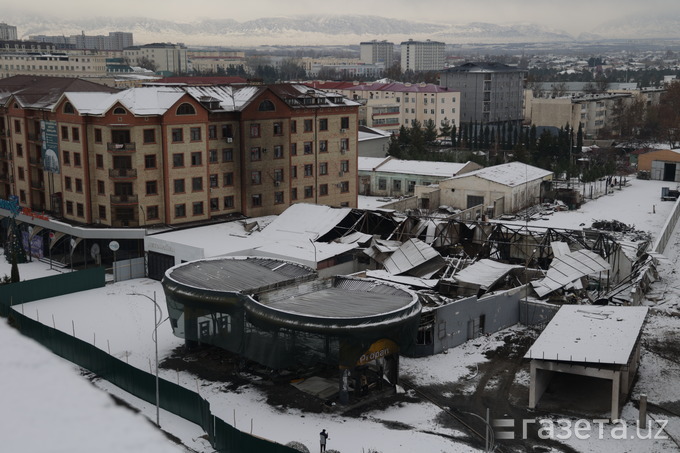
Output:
(34, 137)
(123, 199)
(121, 147)
(5, 156)
(123, 173)
(35, 160)
(5, 176)
(35, 184)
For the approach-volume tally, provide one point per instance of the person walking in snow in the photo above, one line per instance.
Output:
(323, 437)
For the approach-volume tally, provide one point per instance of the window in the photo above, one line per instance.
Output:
(186, 109)
(382, 184)
(344, 144)
(227, 155)
(256, 200)
(309, 170)
(68, 108)
(75, 134)
(177, 135)
(212, 132)
(278, 152)
(67, 180)
(214, 182)
(308, 125)
(17, 126)
(309, 191)
(212, 156)
(344, 186)
(293, 193)
(278, 175)
(323, 146)
(255, 153)
(149, 161)
(255, 177)
(97, 135)
(80, 210)
(323, 168)
(214, 204)
(308, 148)
(195, 134)
(278, 128)
(228, 179)
(20, 150)
(424, 110)
(293, 172)
(101, 187)
(102, 212)
(69, 207)
(79, 185)
(149, 136)
(254, 130)
(226, 131)
(64, 132)
(344, 166)
(151, 188)
(178, 185)
(278, 197)
(196, 159)
(67, 157)
(196, 184)
(76, 159)
(266, 106)
(323, 124)
(293, 127)
(180, 210)
(99, 160)
(178, 160)
(22, 196)
(197, 208)
(152, 213)
(323, 189)
(396, 185)
(293, 149)
(229, 202)
(344, 121)
(119, 111)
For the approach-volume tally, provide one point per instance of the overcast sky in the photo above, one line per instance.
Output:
(573, 16)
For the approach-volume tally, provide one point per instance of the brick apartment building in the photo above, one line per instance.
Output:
(172, 155)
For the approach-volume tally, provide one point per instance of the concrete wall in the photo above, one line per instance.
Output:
(455, 192)
(665, 155)
(533, 313)
(402, 205)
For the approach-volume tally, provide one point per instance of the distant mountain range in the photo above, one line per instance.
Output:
(335, 30)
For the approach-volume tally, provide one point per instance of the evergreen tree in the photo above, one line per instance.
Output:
(454, 137)
(430, 131)
(579, 138)
(445, 129)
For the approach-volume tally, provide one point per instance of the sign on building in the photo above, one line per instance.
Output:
(50, 146)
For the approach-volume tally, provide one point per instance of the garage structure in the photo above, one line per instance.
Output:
(593, 341)
(662, 165)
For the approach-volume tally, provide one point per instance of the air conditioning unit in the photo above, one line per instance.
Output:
(341, 173)
(264, 150)
(277, 183)
(343, 151)
(338, 185)
(343, 130)
(229, 139)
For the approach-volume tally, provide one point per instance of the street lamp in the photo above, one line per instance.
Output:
(156, 323)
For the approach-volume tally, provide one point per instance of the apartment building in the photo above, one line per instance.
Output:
(422, 55)
(376, 52)
(8, 32)
(54, 64)
(116, 40)
(172, 155)
(207, 61)
(490, 93)
(166, 57)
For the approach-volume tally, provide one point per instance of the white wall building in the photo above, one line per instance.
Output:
(377, 52)
(422, 55)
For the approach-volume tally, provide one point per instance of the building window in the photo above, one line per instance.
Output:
(102, 212)
(97, 135)
(67, 180)
(229, 202)
(177, 135)
(323, 124)
(293, 172)
(255, 154)
(309, 170)
(197, 208)
(119, 111)
(278, 175)
(80, 210)
(344, 145)
(278, 128)
(227, 155)
(396, 185)
(254, 130)
(293, 193)
(226, 131)
(64, 132)
(344, 121)
(308, 125)
(214, 204)
(178, 185)
(309, 191)
(99, 160)
(178, 160)
(382, 184)
(214, 182)
(149, 136)
(255, 177)
(69, 207)
(256, 200)
(196, 159)
(195, 134)
(76, 159)
(212, 156)
(75, 134)
(323, 146)
(323, 168)
(79, 185)
(68, 108)
(266, 106)
(101, 187)
(17, 128)
(278, 152)
(344, 166)
(278, 197)
(228, 179)
(186, 109)
(180, 210)
(344, 186)
(293, 149)
(152, 213)
(151, 188)
(323, 189)
(293, 127)
(308, 148)
(20, 150)
(22, 196)
(149, 161)
(212, 132)
(196, 184)
(67, 157)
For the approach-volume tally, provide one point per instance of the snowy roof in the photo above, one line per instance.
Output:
(568, 268)
(303, 221)
(484, 272)
(511, 174)
(415, 257)
(369, 163)
(590, 334)
(411, 167)
(139, 101)
(373, 134)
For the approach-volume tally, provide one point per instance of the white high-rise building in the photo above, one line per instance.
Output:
(377, 52)
(422, 55)
(8, 32)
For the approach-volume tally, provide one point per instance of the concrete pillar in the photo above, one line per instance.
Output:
(616, 394)
(539, 383)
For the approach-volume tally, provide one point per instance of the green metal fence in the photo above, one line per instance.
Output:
(173, 398)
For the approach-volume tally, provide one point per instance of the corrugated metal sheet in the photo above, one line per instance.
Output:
(413, 253)
(484, 272)
(568, 268)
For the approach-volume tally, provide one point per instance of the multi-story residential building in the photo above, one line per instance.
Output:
(55, 64)
(8, 32)
(490, 93)
(166, 57)
(116, 40)
(422, 55)
(214, 61)
(173, 155)
(376, 52)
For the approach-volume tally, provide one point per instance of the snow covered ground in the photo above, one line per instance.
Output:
(118, 319)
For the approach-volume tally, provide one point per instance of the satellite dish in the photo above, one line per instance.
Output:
(114, 246)
(94, 251)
